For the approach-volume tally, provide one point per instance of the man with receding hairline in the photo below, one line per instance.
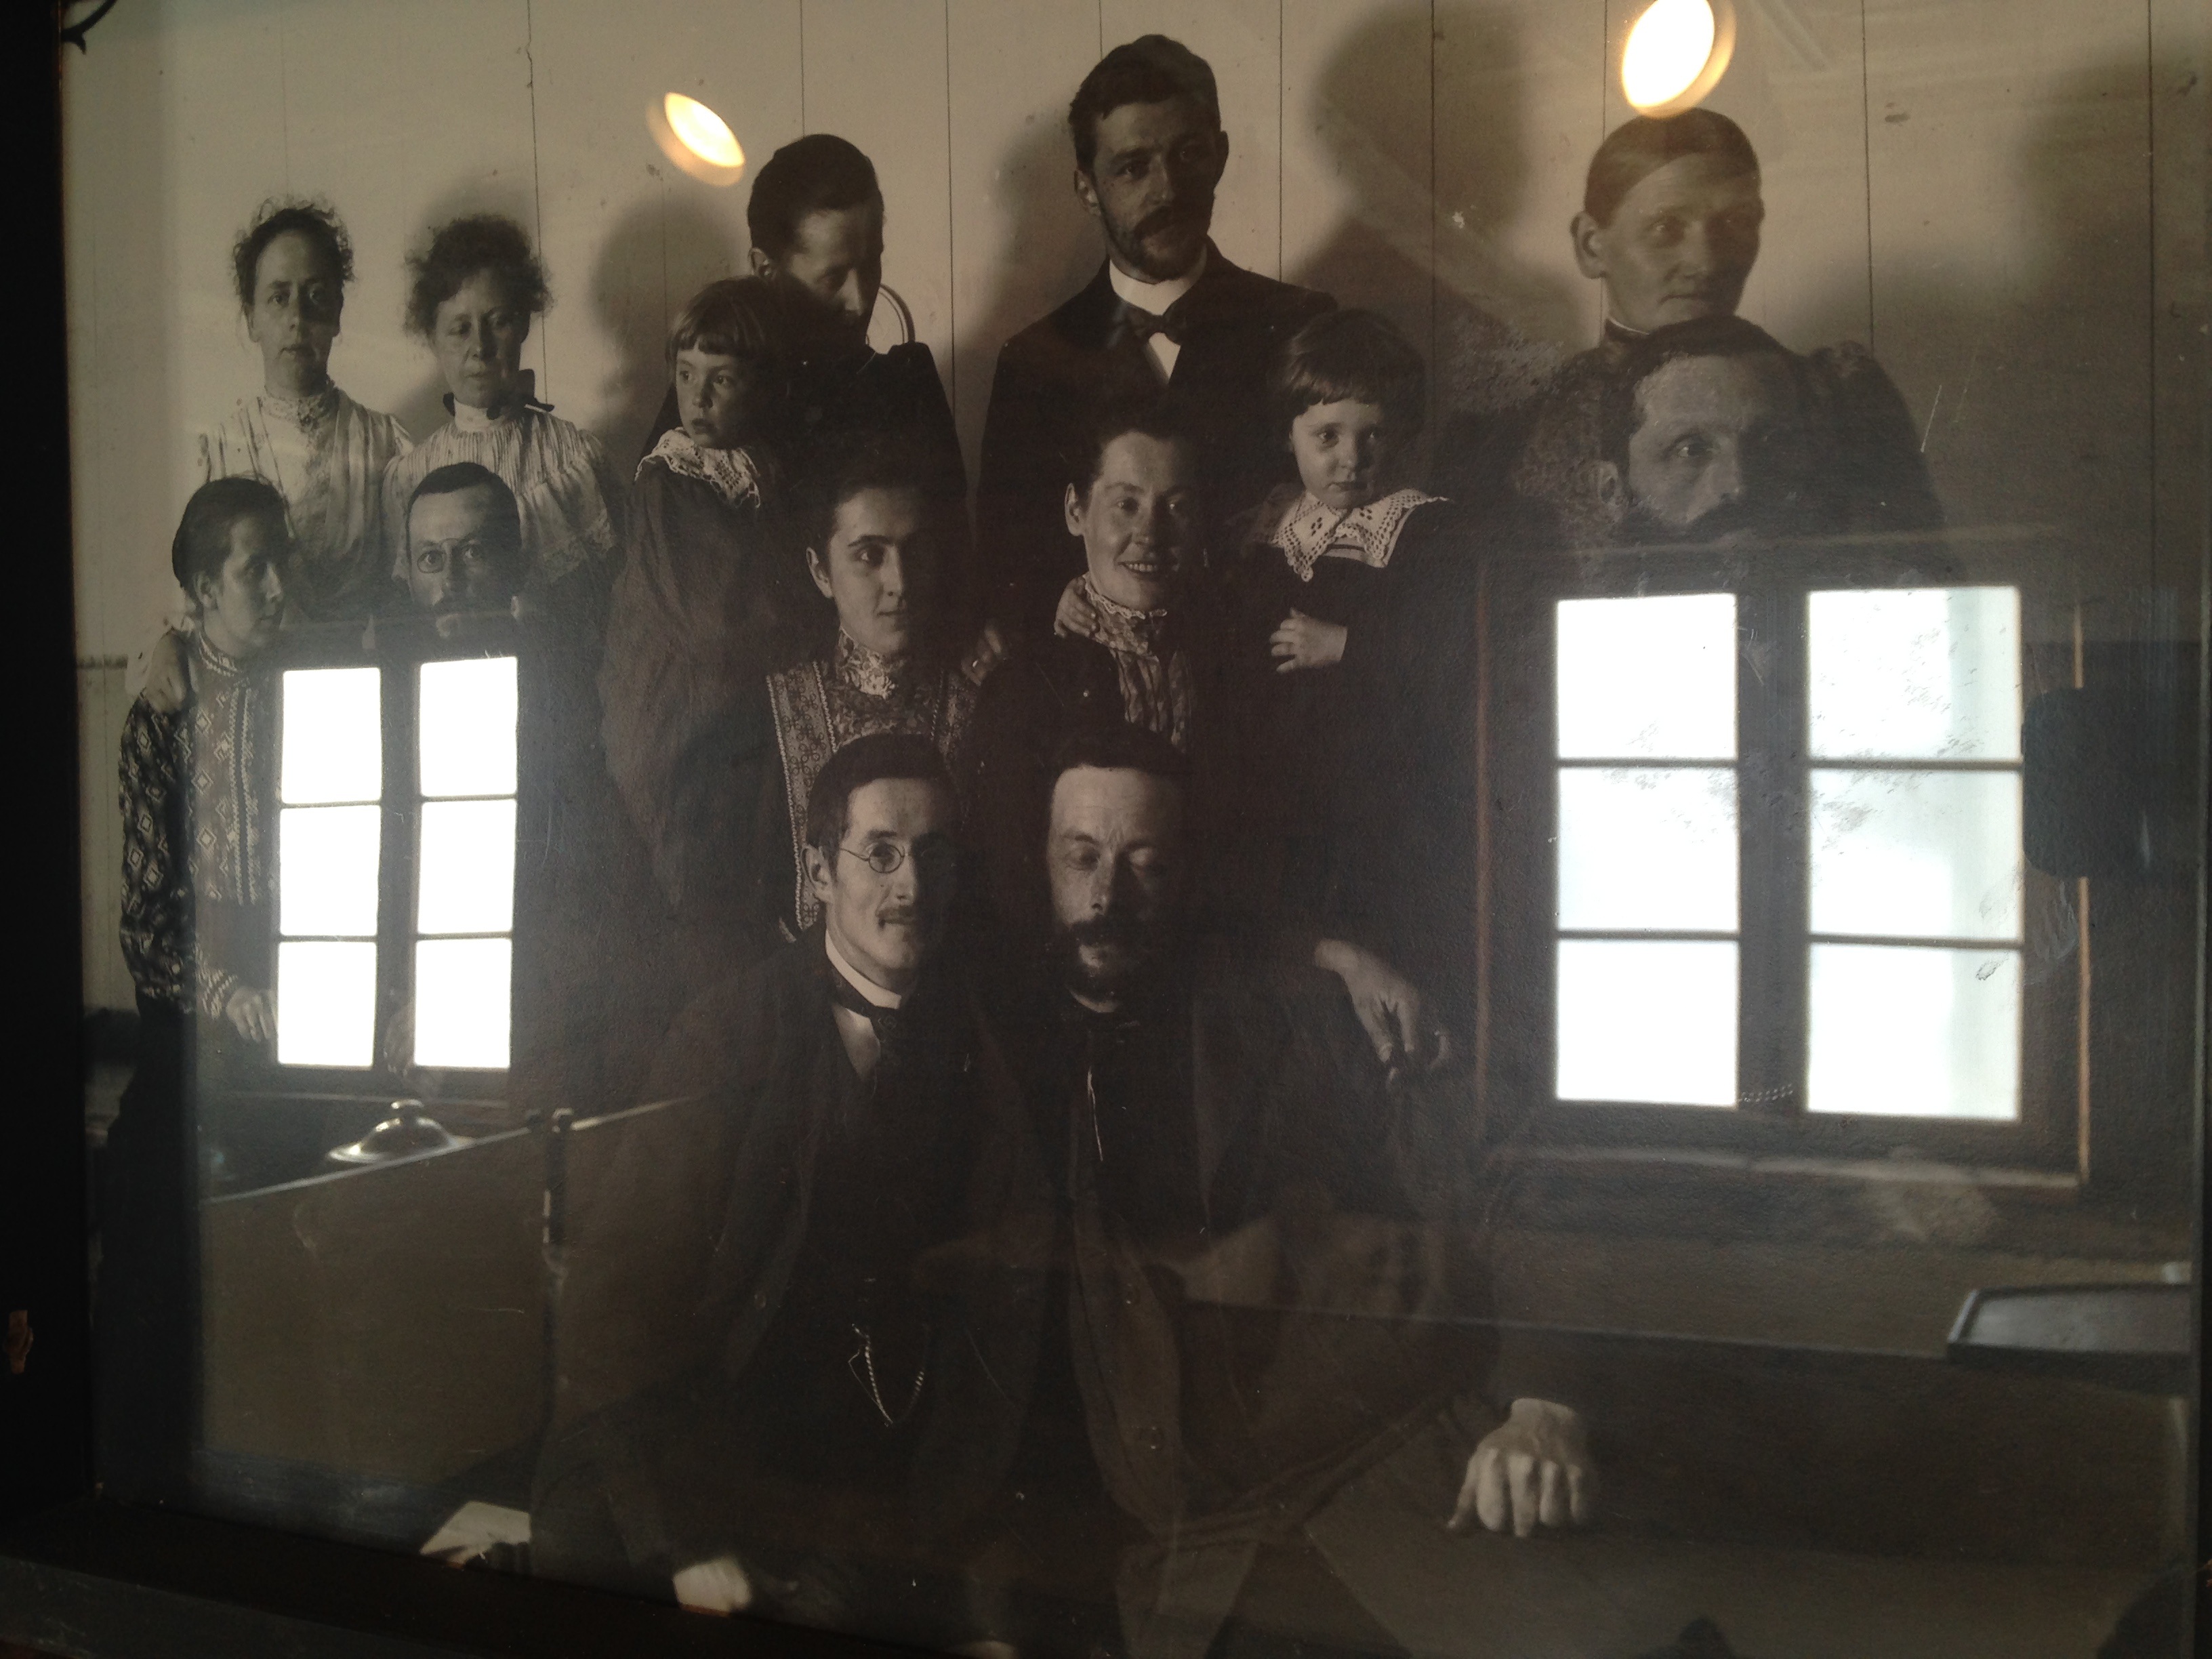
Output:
(1165, 311)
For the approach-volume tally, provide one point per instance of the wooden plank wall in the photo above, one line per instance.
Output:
(2005, 198)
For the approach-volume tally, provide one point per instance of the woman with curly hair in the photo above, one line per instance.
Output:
(477, 287)
(324, 453)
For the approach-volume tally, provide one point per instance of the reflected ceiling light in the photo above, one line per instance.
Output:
(1676, 53)
(696, 139)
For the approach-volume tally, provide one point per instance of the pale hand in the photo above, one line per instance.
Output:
(251, 1014)
(715, 1586)
(986, 654)
(1533, 1467)
(1390, 1008)
(167, 681)
(1304, 642)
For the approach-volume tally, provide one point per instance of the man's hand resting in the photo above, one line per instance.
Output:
(715, 1586)
(1405, 1034)
(1533, 1467)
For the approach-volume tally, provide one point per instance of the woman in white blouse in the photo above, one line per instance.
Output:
(476, 288)
(324, 453)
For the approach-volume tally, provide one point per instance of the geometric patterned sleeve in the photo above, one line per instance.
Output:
(156, 917)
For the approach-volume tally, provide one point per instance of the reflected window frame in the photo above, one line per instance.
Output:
(1518, 925)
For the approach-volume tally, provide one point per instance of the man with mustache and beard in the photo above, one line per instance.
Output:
(464, 542)
(815, 1264)
(1670, 225)
(1166, 310)
(1274, 1257)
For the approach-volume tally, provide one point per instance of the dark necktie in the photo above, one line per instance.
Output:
(1146, 324)
(889, 1026)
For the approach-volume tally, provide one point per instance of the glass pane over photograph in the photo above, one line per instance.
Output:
(1010, 828)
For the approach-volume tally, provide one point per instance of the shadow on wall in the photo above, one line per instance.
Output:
(654, 257)
(1051, 250)
(2029, 366)
(1488, 321)
(421, 411)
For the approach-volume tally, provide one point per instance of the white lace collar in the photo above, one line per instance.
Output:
(732, 474)
(1307, 529)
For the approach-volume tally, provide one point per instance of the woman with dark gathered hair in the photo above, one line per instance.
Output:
(476, 286)
(323, 451)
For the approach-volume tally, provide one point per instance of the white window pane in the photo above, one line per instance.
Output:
(1648, 847)
(1648, 678)
(465, 728)
(326, 1003)
(1922, 854)
(333, 741)
(1908, 1032)
(1651, 1021)
(327, 864)
(465, 879)
(461, 1009)
(1923, 673)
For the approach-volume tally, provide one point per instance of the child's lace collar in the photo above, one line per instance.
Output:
(732, 474)
(1307, 529)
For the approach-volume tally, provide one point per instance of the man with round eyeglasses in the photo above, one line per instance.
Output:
(839, 1378)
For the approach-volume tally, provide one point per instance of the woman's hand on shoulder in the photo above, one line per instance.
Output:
(168, 677)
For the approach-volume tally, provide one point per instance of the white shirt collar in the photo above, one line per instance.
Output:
(874, 993)
(1155, 297)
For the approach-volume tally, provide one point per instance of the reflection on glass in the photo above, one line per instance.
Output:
(461, 1012)
(1910, 1032)
(1927, 674)
(327, 866)
(1919, 854)
(333, 736)
(1648, 1021)
(465, 727)
(1648, 848)
(1647, 679)
(326, 1003)
(465, 878)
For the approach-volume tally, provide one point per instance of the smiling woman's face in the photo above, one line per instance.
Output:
(1139, 521)
(297, 301)
(477, 335)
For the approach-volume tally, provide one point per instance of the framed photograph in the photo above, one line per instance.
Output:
(1098, 829)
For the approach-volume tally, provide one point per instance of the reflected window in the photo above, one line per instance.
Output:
(1847, 906)
(435, 936)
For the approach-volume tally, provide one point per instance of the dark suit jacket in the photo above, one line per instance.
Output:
(677, 1267)
(1055, 376)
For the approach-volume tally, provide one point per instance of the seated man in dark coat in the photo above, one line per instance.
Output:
(1670, 224)
(1274, 1256)
(1165, 310)
(821, 1277)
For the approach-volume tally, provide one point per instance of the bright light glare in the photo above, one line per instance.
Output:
(465, 726)
(704, 133)
(333, 737)
(461, 1012)
(326, 864)
(1647, 679)
(1904, 1032)
(696, 139)
(465, 880)
(1651, 1021)
(1916, 854)
(326, 1003)
(1676, 51)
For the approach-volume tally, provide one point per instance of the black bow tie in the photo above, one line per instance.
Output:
(1145, 324)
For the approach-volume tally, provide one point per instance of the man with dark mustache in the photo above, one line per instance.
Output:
(1273, 1255)
(1166, 310)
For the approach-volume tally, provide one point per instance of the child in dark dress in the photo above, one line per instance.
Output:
(712, 595)
(1344, 670)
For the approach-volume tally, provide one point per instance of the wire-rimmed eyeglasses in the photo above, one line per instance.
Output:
(932, 856)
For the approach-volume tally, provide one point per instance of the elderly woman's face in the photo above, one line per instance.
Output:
(477, 335)
(297, 300)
